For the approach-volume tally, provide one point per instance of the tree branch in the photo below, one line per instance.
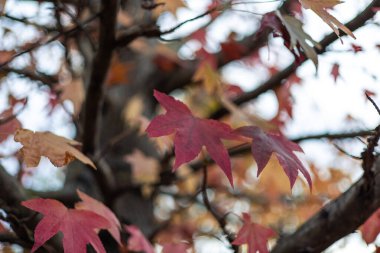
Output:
(99, 69)
(337, 219)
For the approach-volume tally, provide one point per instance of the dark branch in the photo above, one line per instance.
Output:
(99, 69)
(337, 219)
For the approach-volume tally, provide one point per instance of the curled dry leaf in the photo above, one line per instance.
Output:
(299, 37)
(320, 8)
(58, 149)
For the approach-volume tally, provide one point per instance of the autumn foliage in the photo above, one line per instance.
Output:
(148, 145)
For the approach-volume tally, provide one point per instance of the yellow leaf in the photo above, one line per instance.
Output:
(210, 77)
(58, 149)
(273, 180)
(319, 7)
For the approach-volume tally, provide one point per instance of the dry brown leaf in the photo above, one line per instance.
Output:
(73, 91)
(320, 8)
(58, 149)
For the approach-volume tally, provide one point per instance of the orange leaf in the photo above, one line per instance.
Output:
(59, 150)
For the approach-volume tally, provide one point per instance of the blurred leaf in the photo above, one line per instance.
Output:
(253, 234)
(145, 170)
(73, 91)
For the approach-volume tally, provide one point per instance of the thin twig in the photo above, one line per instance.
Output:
(54, 38)
(219, 218)
(345, 152)
(373, 103)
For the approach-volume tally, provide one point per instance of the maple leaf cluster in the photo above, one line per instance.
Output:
(192, 133)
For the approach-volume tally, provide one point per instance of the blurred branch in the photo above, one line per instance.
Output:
(13, 239)
(218, 217)
(95, 92)
(343, 135)
(45, 79)
(153, 31)
(27, 22)
(68, 32)
(99, 69)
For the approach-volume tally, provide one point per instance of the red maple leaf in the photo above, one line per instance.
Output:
(99, 208)
(253, 234)
(371, 228)
(137, 241)
(78, 226)
(264, 144)
(191, 133)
